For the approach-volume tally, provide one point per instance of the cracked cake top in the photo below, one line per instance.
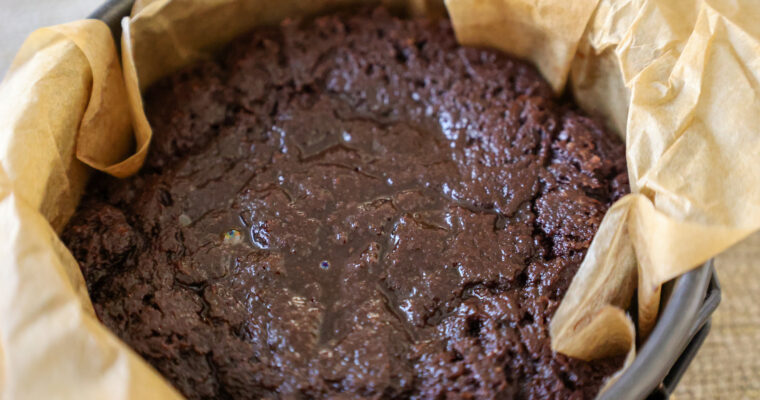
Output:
(352, 206)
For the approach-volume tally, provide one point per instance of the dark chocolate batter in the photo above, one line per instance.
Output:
(353, 207)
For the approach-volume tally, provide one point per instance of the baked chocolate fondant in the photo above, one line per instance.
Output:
(353, 207)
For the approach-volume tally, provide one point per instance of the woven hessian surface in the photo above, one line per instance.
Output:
(728, 364)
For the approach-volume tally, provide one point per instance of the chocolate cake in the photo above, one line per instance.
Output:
(353, 206)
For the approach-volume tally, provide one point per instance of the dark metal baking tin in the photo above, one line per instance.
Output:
(681, 328)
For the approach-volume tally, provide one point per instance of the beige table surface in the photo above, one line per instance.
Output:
(727, 366)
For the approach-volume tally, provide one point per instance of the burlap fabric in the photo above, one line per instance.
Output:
(728, 364)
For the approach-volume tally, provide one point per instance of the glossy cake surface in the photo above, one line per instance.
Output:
(352, 207)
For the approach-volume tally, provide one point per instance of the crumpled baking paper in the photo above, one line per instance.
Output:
(64, 95)
(679, 79)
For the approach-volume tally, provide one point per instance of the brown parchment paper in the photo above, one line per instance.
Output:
(689, 70)
(677, 78)
(64, 94)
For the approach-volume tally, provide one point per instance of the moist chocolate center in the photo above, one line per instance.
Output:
(352, 205)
